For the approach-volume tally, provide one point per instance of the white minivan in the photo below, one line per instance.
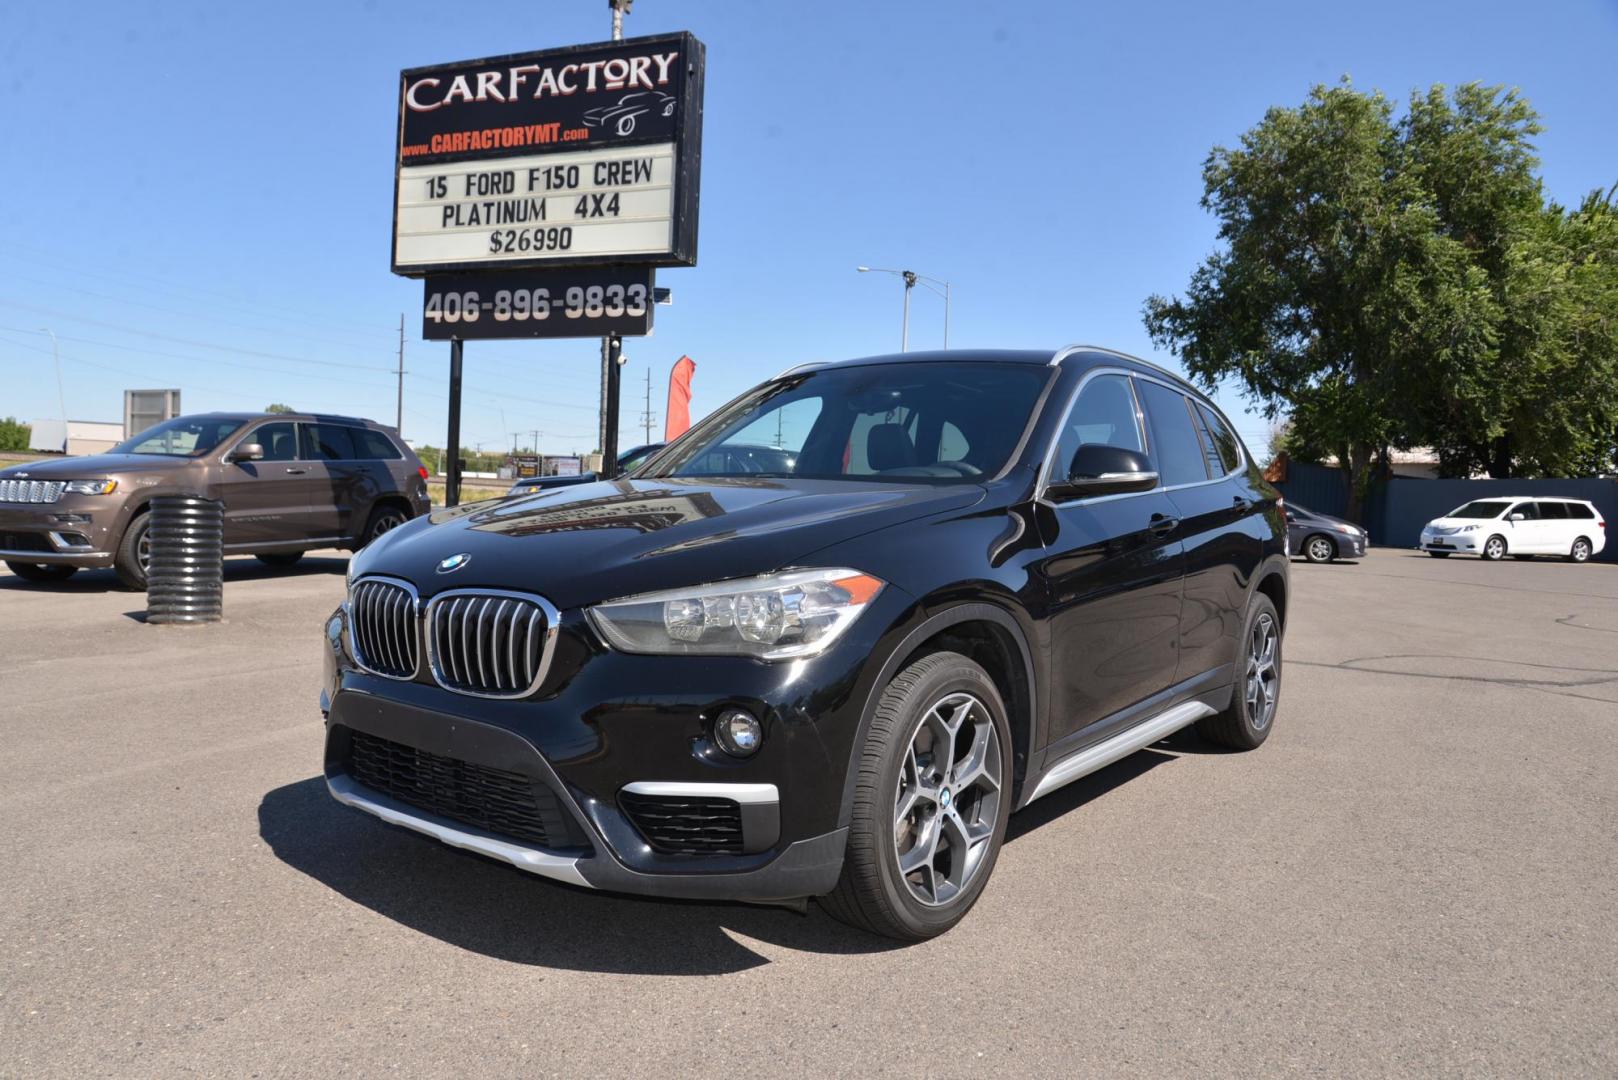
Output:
(1521, 528)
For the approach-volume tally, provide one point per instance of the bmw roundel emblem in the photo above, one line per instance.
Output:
(453, 563)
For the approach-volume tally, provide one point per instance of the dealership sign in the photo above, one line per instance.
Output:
(565, 158)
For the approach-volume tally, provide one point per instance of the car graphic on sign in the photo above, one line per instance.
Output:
(630, 108)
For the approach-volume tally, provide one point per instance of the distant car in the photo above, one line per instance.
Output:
(628, 461)
(630, 108)
(1520, 527)
(1321, 538)
(289, 482)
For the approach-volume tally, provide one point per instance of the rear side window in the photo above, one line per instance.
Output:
(372, 444)
(279, 440)
(1176, 449)
(327, 442)
(1581, 511)
(1224, 443)
(1552, 511)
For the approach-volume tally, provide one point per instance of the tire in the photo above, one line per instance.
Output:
(383, 518)
(1319, 548)
(939, 696)
(1439, 554)
(1247, 723)
(1581, 550)
(1494, 548)
(41, 572)
(134, 554)
(281, 560)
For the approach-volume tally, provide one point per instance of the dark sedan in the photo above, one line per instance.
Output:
(1321, 537)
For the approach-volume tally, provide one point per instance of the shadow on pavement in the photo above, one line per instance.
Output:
(490, 908)
(237, 568)
(493, 909)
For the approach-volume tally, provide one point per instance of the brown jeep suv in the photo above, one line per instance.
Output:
(289, 483)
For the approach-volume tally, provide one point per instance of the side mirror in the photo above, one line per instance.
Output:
(1518, 517)
(248, 452)
(1104, 470)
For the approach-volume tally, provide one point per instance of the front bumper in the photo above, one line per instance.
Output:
(64, 533)
(1463, 543)
(607, 722)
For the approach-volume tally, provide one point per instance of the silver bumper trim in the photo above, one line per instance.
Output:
(745, 794)
(534, 860)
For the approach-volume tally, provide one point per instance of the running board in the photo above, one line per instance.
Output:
(1119, 746)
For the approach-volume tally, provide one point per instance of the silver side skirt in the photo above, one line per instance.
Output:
(1119, 746)
(534, 860)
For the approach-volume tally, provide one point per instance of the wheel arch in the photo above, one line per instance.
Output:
(992, 637)
(1272, 582)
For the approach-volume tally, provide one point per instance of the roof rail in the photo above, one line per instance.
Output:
(1064, 353)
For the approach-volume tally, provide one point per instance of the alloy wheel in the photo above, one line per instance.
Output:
(1495, 548)
(948, 798)
(1263, 680)
(1581, 550)
(385, 523)
(143, 551)
(1320, 549)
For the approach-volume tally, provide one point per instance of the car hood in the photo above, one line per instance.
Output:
(1456, 523)
(92, 466)
(594, 542)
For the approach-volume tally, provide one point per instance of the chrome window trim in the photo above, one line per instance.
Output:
(1140, 418)
(547, 648)
(414, 623)
(741, 794)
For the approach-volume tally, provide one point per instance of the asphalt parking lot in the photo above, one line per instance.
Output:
(1417, 874)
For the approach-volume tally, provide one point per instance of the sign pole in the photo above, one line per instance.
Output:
(612, 344)
(612, 350)
(452, 478)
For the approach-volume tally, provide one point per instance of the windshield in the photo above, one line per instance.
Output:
(184, 436)
(1481, 509)
(922, 421)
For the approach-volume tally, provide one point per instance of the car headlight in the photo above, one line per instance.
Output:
(1467, 528)
(90, 487)
(782, 616)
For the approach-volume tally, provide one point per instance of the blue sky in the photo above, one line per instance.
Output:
(199, 195)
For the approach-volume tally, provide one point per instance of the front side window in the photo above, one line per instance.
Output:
(279, 440)
(1176, 448)
(184, 436)
(1481, 509)
(1104, 413)
(922, 421)
(1528, 510)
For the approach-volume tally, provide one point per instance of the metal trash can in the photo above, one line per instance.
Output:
(185, 578)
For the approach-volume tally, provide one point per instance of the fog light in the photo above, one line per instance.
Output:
(738, 733)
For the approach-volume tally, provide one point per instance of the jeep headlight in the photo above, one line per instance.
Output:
(793, 614)
(90, 487)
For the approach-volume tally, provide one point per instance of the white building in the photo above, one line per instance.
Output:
(76, 437)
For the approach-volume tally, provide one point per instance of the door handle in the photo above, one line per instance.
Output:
(296, 472)
(1163, 525)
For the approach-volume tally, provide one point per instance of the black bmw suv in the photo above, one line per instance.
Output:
(985, 575)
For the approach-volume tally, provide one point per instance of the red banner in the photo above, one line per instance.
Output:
(679, 410)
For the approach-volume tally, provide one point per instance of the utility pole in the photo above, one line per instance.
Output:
(61, 397)
(646, 417)
(611, 346)
(535, 434)
(398, 416)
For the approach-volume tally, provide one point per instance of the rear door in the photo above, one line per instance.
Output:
(335, 478)
(1560, 527)
(267, 501)
(1112, 569)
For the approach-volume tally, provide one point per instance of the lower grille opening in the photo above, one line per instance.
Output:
(24, 541)
(505, 803)
(685, 825)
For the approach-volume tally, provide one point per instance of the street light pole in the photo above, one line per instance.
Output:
(910, 279)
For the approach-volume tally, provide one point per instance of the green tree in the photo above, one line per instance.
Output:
(279, 409)
(1401, 283)
(14, 434)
